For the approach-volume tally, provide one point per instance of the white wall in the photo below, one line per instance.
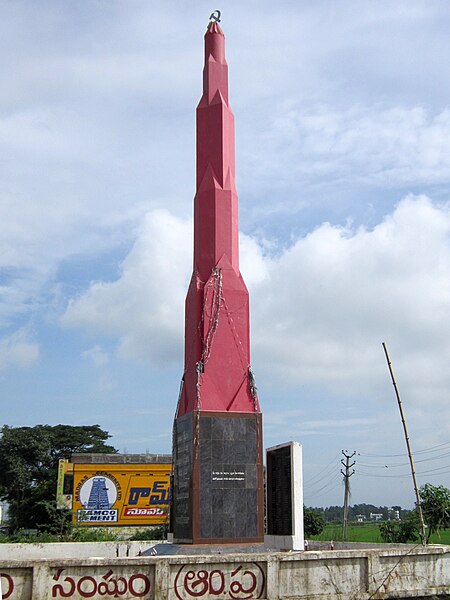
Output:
(389, 572)
(72, 550)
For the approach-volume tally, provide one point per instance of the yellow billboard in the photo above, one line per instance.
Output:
(120, 494)
(65, 484)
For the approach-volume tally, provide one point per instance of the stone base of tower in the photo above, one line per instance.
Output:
(218, 489)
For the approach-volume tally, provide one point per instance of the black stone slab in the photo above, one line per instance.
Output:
(181, 517)
(228, 477)
(279, 493)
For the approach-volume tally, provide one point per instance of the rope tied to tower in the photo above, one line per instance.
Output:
(214, 284)
(253, 388)
(236, 339)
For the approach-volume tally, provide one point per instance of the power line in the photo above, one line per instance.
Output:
(397, 475)
(326, 472)
(332, 464)
(423, 451)
(331, 488)
(314, 486)
(403, 464)
(332, 482)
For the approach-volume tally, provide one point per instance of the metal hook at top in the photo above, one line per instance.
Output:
(215, 16)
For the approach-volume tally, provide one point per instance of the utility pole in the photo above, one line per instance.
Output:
(347, 476)
(408, 447)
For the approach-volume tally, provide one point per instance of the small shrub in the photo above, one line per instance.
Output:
(142, 535)
(313, 522)
(150, 534)
(400, 532)
(92, 534)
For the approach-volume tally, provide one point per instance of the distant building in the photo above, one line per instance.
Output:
(376, 516)
(3, 512)
(360, 518)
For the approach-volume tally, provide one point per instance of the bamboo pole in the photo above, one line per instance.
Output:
(411, 462)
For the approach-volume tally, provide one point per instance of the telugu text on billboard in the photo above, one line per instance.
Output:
(121, 494)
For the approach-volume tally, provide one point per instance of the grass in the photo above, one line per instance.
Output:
(443, 538)
(357, 532)
(368, 532)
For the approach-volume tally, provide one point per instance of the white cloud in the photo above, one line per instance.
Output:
(380, 146)
(320, 309)
(18, 351)
(144, 307)
(338, 119)
(96, 355)
(336, 294)
(252, 262)
(105, 384)
(88, 115)
(296, 423)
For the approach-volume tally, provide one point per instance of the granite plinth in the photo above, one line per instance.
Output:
(218, 480)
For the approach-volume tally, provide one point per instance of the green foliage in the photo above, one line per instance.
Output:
(84, 534)
(32, 537)
(29, 471)
(313, 522)
(401, 532)
(369, 532)
(435, 504)
(73, 534)
(150, 534)
(333, 514)
(142, 535)
(92, 534)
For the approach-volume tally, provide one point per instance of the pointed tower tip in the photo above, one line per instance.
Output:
(215, 40)
(213, 26)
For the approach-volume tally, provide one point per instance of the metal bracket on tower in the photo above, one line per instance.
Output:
(215, 16)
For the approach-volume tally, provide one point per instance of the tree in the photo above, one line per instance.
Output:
(313, 522)
(401, 532)
(29, 469)
(435, 503)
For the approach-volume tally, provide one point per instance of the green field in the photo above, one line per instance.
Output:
(367, 532)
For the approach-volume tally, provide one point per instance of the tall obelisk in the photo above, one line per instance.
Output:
(217, 444)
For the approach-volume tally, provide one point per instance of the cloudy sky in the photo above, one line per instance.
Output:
(343, 170)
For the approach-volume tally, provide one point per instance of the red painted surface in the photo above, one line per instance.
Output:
(217, 339)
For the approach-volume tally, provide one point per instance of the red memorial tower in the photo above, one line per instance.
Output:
(217, 444)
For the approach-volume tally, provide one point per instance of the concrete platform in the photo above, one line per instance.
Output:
(204, 549)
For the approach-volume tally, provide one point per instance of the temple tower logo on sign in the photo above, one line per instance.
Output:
(98, 493)
(98, 496)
